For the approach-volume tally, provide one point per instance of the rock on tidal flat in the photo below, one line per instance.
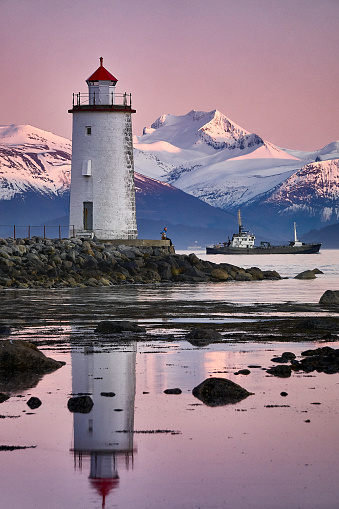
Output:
(22, 356)
(80, 404)
(306, 274)
(201, 336)
(271, 274)
(173, 391)
(112, 327)
(219, 391)
(330, 298)
(4, 329)
(34, 402)
(3, 397)
(281, 371)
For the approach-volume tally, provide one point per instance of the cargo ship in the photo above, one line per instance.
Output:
(243, 243)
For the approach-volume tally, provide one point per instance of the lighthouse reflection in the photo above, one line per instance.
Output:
(106, 432)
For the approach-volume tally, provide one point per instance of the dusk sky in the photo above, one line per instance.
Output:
(271, 66)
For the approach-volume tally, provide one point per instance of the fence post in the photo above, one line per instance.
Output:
(73, 231)
(44, 232)
(14, 231)
(59, 232)
(29, 232)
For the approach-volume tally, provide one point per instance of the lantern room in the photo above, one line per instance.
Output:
(101, 86)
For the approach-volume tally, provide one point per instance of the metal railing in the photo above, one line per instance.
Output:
(28, 231)
(112, 99)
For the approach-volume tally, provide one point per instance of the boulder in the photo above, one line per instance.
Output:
(324, 359)
(193, 259)
(288, 355)
(4, 329)
(201, 333)
(22, 356)
(113, 327)
(34, 403)
(281, 371)
(257, 273)
(242, 372)
(285, 357)
(173, 391)
(80, 404)
(281, 360)
(271, 274)
(330, 298)
(243, 276)
(219, 391)
(201, 336)
(220, 274)
(3, 397)
(306, 274)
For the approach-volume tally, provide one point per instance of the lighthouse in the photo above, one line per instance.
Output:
(102, 202)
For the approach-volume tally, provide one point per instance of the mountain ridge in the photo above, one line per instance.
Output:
(256, 176)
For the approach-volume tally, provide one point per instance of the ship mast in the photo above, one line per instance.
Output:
(239, 222)
(295, 232)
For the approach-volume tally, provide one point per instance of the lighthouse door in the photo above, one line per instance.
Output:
(88, 215)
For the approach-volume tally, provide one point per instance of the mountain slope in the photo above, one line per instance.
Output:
(314, 183)
(207, 155)
(329, 236)
(32, 160)
(310, 197)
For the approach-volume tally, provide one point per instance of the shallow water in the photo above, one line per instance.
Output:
(243, 455)
(145, 449)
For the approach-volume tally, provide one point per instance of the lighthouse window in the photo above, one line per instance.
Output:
(88, 130)
(87, 168)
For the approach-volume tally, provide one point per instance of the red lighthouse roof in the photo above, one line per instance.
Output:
(101, 74)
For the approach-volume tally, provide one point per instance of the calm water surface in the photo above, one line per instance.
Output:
(145, 449)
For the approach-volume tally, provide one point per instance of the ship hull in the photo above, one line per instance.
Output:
(228, 250)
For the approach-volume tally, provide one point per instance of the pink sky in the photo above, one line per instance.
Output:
(271, 66)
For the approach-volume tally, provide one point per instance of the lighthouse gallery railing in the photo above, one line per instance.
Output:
(112, 100)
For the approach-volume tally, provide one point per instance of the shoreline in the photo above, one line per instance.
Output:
(74, 263)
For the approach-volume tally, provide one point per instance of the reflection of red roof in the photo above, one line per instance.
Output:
(104, 486)
(101, 74)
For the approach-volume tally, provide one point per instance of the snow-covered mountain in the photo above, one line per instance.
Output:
(192, 172)
(33, 160)
(207, 155)
(212, 158)
(34, 190)
(310, 196)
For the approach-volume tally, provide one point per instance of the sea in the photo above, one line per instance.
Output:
(139, 447)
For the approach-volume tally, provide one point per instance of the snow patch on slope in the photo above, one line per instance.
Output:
(33, 160)
(313, 181)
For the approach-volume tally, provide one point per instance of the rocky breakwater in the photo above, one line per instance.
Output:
(55, 263)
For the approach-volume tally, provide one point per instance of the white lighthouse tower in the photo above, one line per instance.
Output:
(102, 182)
